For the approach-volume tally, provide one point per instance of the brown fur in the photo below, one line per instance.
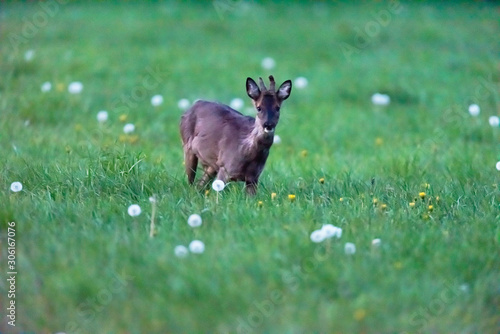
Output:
(229, 145)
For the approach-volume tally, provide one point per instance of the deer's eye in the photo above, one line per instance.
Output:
(259, 109)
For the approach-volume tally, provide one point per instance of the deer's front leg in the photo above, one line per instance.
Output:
(251, 186)
(222, 174)
(209, 173)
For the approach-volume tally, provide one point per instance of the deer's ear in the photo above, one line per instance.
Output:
(252, 89)
(285, 90)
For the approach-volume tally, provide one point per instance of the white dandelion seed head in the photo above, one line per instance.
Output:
(46, 87)
(494, 121)
(464, 287)
(183, 104)
(194, 220)
(380, 99)
(474, 110)
(16, 186)
(268, 63)
(236, 103)
(349, 248)
(376, 242)
(102, 116)
(197, 247)
(29, 55)
(317, 236)
(218, 185)
(134, 210)
(152, 199)
(498, 166)
(75, 87)
(329, 230)
(300, 82)
(156, 100)
(181, 251)
(276, 139)
(129, 128)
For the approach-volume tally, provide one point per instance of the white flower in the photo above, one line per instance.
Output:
(331, 231)
(197, 247)
(156, 100)
(134, 210)
(152, 199)
(102, 116)
(28, 55)
(317, 236)
(236, 103)
(349, 248)
(474, 110)
(183, 104)
(16, 186)
(277, 139)
(129, 128)
(181, 251)
(380, 99)
(268, 63)
(194, 220)
(46, 86)
(75, 87)
(376, 242)
(218, 185)
(498, 165)
(300, 82)
(494, 121)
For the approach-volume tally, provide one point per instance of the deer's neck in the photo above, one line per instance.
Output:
(258, 141)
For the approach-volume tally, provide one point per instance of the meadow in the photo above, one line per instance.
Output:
(419, 173)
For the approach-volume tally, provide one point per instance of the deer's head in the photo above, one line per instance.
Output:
(268, 102)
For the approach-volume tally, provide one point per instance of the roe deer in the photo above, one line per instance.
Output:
(229, 145)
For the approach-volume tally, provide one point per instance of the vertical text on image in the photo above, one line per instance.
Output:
(11, 273)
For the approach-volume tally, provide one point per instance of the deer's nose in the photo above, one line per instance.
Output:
(269, 127)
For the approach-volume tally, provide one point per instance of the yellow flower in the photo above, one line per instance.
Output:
(375, 201)
(359, 314)
(123, 118)
(322, 180)
(122, 138)
(426, 185)
(291, 197)
(412, 204)
(398, 265)
(430, 208)
(437, 198)
(78, 127)
(379, 141)
(60, 87)
(273, 196)
(303, 153)
(260, 204)
(341, 199)
(207, 192)
(133, 139)
(383, 206)
(421, 194)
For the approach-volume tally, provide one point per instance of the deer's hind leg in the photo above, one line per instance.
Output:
(191, 163)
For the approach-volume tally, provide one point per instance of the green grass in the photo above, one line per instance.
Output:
(85, 266)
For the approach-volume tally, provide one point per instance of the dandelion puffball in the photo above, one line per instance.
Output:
(494, 121)
(300, 82)
(474, 110)
(197, 247)
(129, 128)
(194, 220)
(498, 165)
(29, 55)
(376, 242)
(75, 87)
(380, 99)
(16, 187)
(134, 210)
(236, 103)
(317, 236)
(276, 139)
(46, 87)
(102, 116)
(156, 100)
(268, 63)
(183, 104)
(218, 185)
(181, 251)
(349, 248)
(331, 231)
